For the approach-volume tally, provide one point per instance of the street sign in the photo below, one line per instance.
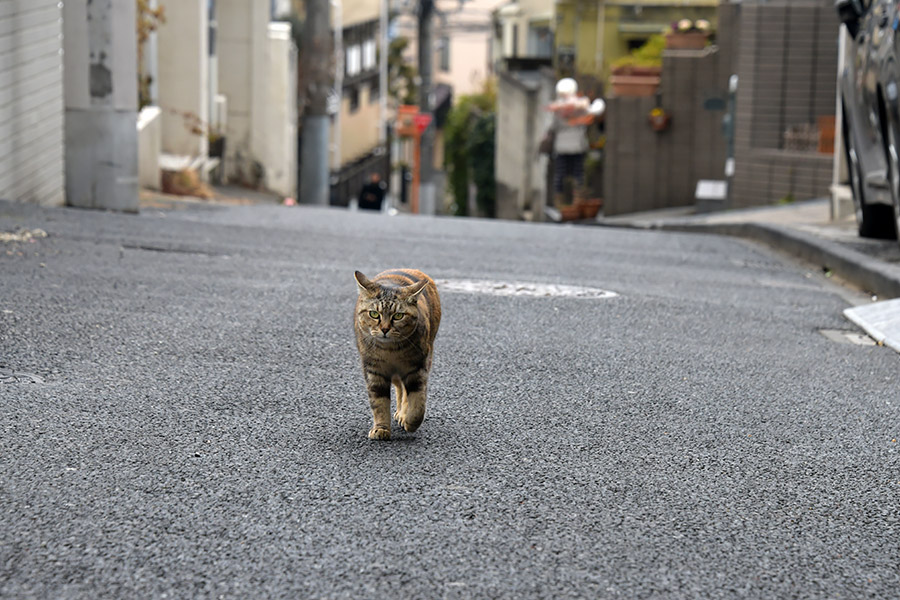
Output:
(422, 122)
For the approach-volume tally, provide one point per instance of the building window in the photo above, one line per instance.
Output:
(353, 95)
(444, 54)
(353, 60)
(515, 40)
(213, 26)
(369, 55)
(540, 41)
(374, 92)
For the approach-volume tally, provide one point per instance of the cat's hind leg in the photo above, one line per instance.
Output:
(414, 407)
(379, 389)
(401, 398)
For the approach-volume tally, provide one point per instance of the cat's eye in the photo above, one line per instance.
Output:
(374, 314)
(398, 316)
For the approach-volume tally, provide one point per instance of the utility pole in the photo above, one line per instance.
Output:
(426, 60)
(317, 61)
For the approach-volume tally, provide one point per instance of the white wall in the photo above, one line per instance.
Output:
(521, 123)
(149, 128)
(280, 153)
(183, 71)
(242, 51)
(31, 102)
(100, 63)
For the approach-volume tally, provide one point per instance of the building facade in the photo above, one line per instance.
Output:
(32, 111)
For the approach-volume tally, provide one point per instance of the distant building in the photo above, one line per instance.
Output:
(585, 37)
(359, 145)
(70, 128)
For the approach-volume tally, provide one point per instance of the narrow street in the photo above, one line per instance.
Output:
(184, 415)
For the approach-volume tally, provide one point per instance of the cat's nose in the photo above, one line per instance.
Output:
(385, 329)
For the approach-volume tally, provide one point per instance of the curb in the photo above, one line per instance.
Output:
(872, 275)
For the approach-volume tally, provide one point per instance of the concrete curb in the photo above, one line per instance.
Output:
(870, 274)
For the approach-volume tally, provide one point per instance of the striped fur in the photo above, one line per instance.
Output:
(398, 313)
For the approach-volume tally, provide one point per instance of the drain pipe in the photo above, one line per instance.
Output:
(338, 84)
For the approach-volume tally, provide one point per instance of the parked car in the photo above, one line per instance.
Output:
(870, 116)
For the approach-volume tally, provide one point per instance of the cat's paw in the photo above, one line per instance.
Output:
(409, 424)
(379, 433)
(398, 417)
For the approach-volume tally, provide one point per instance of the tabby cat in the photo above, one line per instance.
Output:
(397, 317)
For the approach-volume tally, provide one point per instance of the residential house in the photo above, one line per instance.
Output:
(591, 35)
(783, 54)
(68, 103)
(462, 60)
(359, 143)
(69, 125)
(523, 33)
(223, 70)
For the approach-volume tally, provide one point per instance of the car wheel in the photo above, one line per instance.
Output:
(893, 160)
(873, 221)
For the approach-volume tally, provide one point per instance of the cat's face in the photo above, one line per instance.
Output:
(386, 319)
(385, 313)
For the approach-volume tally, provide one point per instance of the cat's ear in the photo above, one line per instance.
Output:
(364, 284)
(411, 292)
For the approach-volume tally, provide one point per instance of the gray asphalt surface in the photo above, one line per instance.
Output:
(196, 421)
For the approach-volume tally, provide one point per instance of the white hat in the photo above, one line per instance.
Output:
(566, 87)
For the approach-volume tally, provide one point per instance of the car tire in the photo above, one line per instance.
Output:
(873, 220)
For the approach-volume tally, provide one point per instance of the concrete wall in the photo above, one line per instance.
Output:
(149, 128)
(183, 72)
(280, 154)
(242, 51)
(100, 63)
(648, 170)
(31, 102)
(786, 58)
(521, 122)
(359, 128)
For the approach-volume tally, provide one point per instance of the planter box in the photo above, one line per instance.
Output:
(634, 85)
(638, 71)
(590, 208)
(692, 40)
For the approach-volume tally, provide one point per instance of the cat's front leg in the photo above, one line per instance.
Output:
(416, 386)
(401, 397)
(379, 389)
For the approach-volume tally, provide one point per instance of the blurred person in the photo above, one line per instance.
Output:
(371, 196)
(572, 114)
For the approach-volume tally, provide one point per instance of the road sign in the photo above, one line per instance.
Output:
(422, 122)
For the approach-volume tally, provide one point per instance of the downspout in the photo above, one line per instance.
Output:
(383, 75)
(529, 156)
(338, 83)
(601, 30)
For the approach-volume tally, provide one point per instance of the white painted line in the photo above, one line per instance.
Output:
(881, 320)
(510, 288)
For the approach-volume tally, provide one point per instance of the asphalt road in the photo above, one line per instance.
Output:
(182, 415)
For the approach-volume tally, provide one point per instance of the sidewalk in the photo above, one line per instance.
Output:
(802, 229)
(805, 230)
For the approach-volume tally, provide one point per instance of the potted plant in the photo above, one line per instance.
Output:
(659, 119)
(688, 35)
(638, 74)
